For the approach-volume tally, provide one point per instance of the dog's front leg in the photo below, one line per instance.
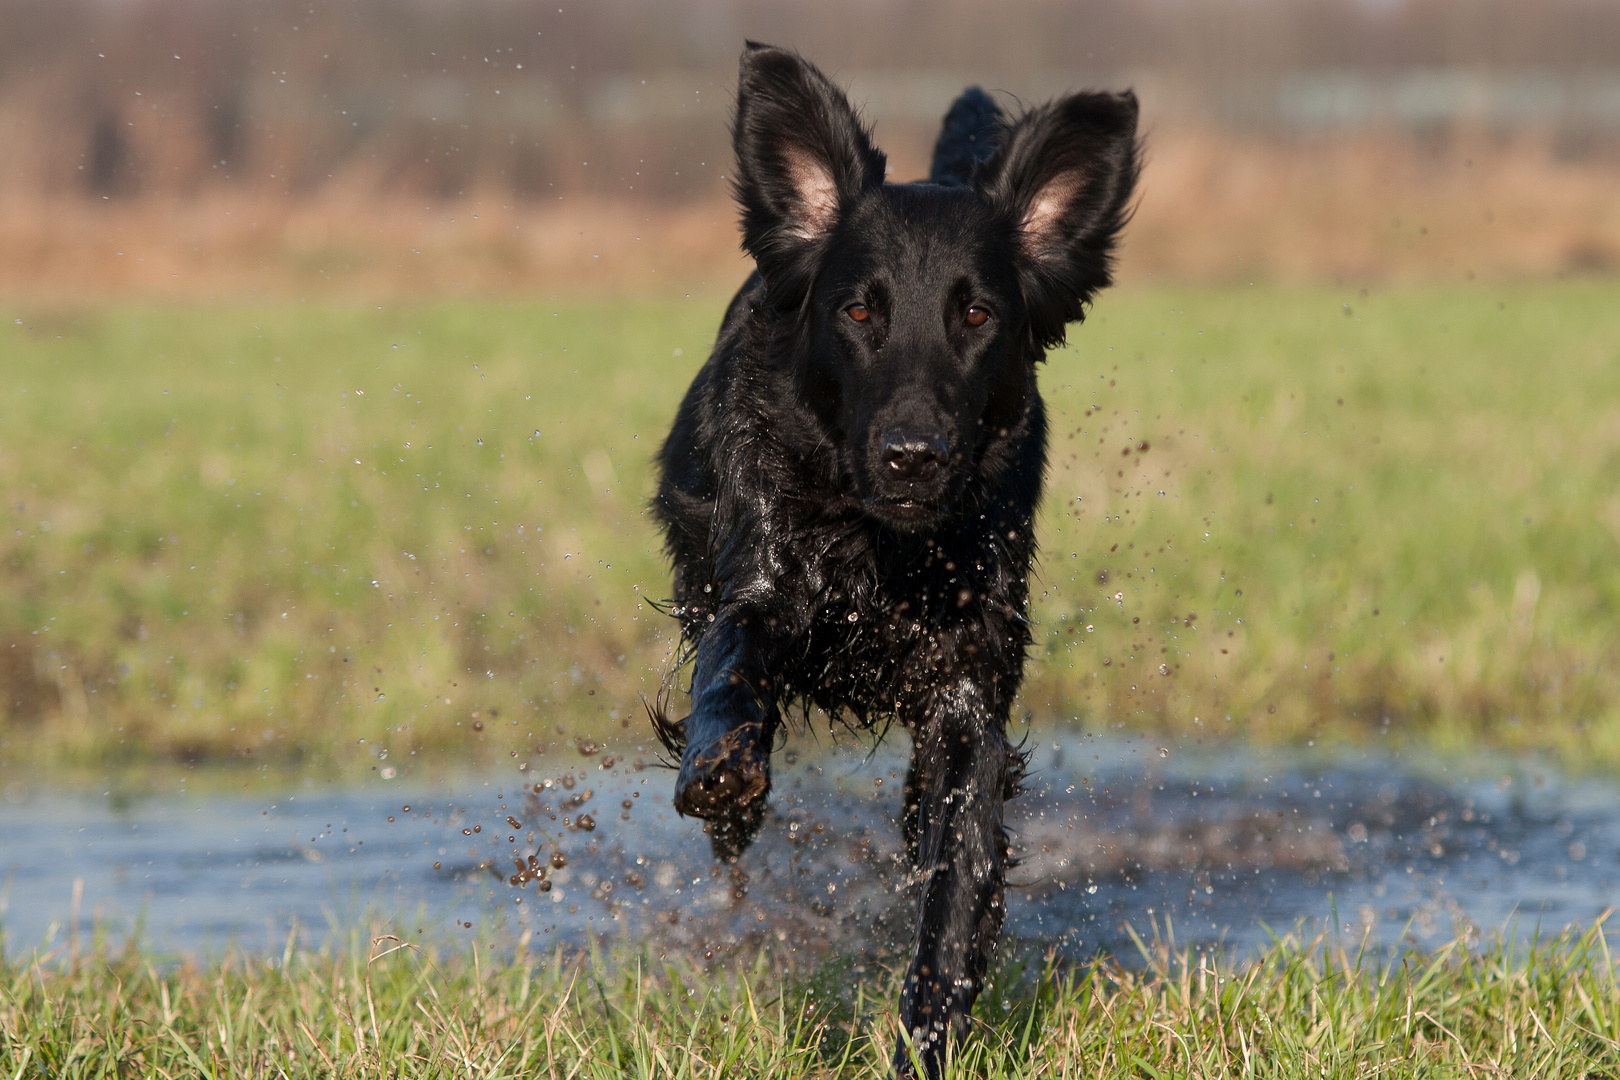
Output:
(725, 765)
(958, 781)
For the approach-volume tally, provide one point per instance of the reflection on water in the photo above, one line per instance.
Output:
(1113, 834)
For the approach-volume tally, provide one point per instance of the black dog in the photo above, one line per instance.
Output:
(848, 490)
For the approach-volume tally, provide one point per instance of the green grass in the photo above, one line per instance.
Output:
(292, 535)
(1302, 1008)
(1395, 511)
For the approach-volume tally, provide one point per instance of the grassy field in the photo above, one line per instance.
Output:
(1301, 1009)
(345, 539)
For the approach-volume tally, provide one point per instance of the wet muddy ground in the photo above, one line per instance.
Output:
(1112, 835)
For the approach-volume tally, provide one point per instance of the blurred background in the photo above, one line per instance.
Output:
(277, 278)
(392, 147)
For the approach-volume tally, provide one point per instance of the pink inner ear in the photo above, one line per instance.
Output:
(1042, 224)
(816, 190)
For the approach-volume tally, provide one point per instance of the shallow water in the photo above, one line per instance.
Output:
(1113, 835)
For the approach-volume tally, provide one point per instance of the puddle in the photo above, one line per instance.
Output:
(1111, 834)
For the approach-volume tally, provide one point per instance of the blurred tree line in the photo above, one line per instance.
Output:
(170, 98)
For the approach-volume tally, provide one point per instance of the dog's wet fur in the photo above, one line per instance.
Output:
(849, 487)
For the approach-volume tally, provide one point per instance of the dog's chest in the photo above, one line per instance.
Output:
(875, 601)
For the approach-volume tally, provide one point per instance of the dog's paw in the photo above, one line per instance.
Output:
(726, 778)
(730, 836)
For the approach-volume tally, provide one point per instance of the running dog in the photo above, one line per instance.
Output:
(848, 491)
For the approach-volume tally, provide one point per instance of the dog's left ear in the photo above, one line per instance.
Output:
(802, 158)
(1063, 180)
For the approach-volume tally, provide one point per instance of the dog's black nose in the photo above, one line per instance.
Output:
(913, 457)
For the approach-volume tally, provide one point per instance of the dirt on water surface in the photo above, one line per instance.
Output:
(1115, 839)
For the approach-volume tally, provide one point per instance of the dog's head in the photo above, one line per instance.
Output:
(915, 313)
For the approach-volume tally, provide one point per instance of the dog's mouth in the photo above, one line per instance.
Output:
(904, 512)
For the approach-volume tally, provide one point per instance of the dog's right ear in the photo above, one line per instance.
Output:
(803, 157)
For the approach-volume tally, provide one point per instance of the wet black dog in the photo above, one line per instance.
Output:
(848, 489)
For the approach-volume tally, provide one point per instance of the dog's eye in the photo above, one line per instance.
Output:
(976, 316)
(858, 312)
